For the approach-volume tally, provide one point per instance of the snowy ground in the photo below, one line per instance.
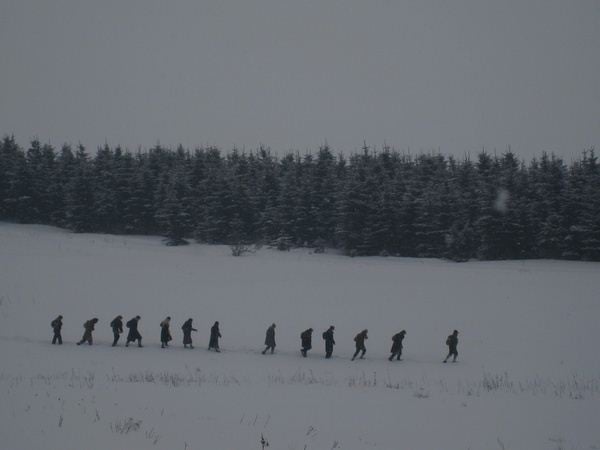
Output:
(528, 376)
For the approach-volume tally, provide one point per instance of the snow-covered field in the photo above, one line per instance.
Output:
(528, 375)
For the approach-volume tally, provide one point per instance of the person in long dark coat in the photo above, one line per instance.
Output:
(359, 339)
(165, 332)
(56, 325)
(306, 338)
(215, 334)
(87, 334)
(270, 339)
(452, 343)
(329, 341)
(397, 346)
(117, 328)
(187, 329)
(134, 334)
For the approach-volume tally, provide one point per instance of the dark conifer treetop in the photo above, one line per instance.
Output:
(372, 203)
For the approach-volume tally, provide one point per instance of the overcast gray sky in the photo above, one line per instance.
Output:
(421, 75)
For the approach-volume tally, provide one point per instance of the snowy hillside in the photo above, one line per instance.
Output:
(528, 375)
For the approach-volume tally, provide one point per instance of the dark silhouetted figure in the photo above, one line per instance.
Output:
(359, 339)
(87, 334)
(117, 329)
(270, 339)
(329, 341)
(215, 334)
(134, 334)
(452, 343)
(187, 329)
(306, 337)
(56, 325)
(165, 332)
(397, 346)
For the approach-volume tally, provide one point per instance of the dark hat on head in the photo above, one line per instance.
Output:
(455, 331)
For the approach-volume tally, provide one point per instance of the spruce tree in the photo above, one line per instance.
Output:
(12, 161)
(173, 215)
(80, 207)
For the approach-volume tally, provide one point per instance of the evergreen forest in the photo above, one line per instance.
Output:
(486, 207)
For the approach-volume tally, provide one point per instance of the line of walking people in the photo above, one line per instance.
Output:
(134, 336)
(359, 341)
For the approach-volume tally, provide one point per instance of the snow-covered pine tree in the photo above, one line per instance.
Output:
(105, 203)
(12, 162)
(432, 222)
(138, 207)
(590, 213)
(64, 172)
(173, 214)
(461, 244)
(323, 184)
(354, 206)
(284, 214)
(79, 214)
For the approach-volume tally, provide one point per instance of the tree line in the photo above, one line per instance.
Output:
(369, 203)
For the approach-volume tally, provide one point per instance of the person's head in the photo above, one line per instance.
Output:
(365, 331)
(332, 327)
(119, 316)
(60, 317)
(273, 325)
(403, 332)
(217, 323)
(138, 317)
(310, 330)
(168, 318)
(95, 320)
(455, 333)
(190, 320)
